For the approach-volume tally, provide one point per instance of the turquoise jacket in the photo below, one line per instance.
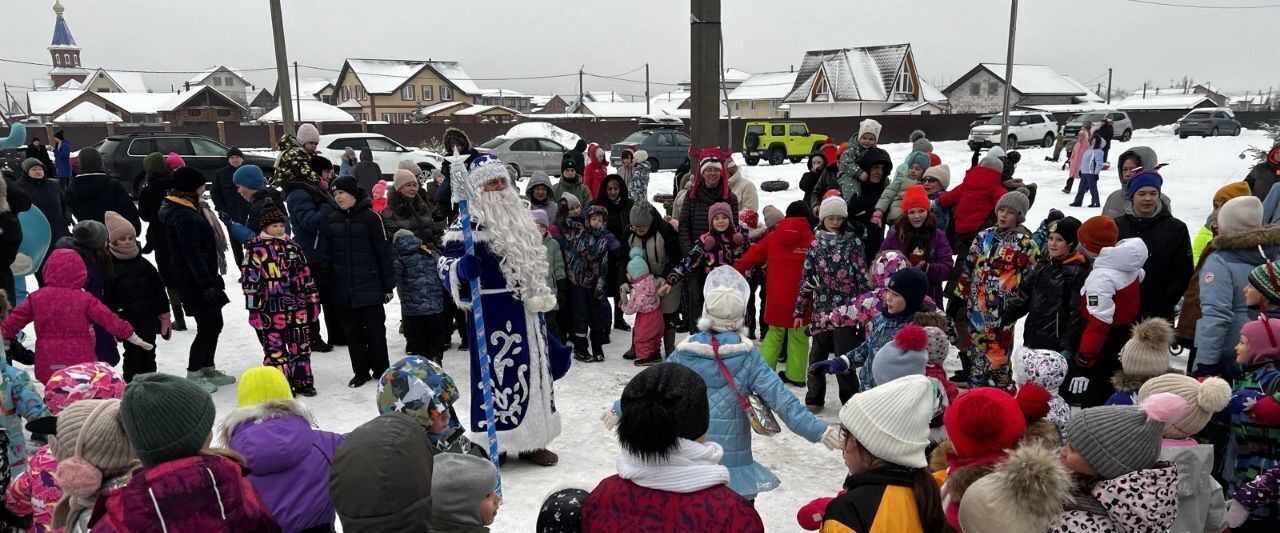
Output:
(729, 425)
(19, 401)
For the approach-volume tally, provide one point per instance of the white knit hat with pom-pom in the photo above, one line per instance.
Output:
(1204, 398)
(724, 300)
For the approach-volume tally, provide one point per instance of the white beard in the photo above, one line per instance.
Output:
(516, 240)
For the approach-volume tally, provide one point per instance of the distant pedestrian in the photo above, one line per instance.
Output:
(368, 173)
(62, 158)
(225, 197)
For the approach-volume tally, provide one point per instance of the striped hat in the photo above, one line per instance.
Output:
(1266, 278)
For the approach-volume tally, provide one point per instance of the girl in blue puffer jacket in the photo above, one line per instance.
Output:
(722, 356)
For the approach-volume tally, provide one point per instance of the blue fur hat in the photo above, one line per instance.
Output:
(637, 267)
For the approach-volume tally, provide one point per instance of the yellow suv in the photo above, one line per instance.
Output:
(777, 142)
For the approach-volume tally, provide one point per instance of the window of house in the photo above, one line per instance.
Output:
(346, 93)
(224, 112)
(407, 92)
(217, 81)
(975, 88)
(360, 94)
(904, 82)
(446, 93)
(993, 89)
(193, 112)
(388, 117)
(426, 92)
(57, 60)
(823, 92)
(66, 59)
(753, 105)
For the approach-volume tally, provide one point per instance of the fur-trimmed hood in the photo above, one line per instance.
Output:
(1041, 432)
(259, 413)
(731, 345)
(1266, 236)
(1126, 382)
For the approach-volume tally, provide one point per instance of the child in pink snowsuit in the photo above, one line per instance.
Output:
(63, 313)
(643, 301)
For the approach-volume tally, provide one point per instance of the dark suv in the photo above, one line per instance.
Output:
(667, 147)
(122, 155)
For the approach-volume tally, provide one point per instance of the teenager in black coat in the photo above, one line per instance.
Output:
(363, 278)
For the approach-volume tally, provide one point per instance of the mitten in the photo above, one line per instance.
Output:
(610, 419)
(1266, 411)
(708, 242)
(877, 217)
(1237, 513)
(837, 365)
(833, 438)
(166, 326)
(810, 516)
(137, 341)
(255, 321)
(468, 267)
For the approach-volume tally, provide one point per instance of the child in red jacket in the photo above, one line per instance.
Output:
(975, 199)
(1110, 304)
(782, 252)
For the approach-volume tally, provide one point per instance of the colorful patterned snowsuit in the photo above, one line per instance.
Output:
(282, 300)
(996, 263)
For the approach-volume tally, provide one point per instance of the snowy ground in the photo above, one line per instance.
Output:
(1197, 167)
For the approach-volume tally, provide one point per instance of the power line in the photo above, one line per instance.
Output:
(140, 71)
(1198, 6)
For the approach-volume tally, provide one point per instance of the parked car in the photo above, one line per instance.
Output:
(1208, 122)
(387, 153)
(1025, 128)
(1120, 123)
(982, 119)
(122, 155)
(667, 147)
(779, 141)
(526, 155)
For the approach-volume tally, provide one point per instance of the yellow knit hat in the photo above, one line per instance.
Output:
(261, 384)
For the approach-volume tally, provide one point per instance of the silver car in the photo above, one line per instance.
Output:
(1121, 124)
(525, 155)
(1210, 122)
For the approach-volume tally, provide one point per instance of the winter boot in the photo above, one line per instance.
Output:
(198, 378)
(179, 319)
(305, 390)
(543, 457)
(580, 352)
(630, 354)
(217, 377)
(597, 353)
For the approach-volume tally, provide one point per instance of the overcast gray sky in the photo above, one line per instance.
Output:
(528, 38)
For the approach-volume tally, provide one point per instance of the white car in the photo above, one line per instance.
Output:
(387, 153)
(1025, 128)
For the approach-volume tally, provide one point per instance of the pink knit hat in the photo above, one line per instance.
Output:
(1263, 335)
(174, 161)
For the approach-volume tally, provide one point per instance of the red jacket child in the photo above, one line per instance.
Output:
(976, 196)
(597, 169)
(782, 251)
(63, 313)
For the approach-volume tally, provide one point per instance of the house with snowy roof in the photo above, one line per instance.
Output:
(521, 103)
(201, 105)
(114, 81)
(227, 80)
(1153, 101)
(868, 80)
(981, 90)
(761, 94)
(391, 90)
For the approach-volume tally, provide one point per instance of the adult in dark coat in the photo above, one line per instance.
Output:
(710, 186)
(225, 197)
(309, 207)
(1265, 174)
(36, 149)
(194, 253)
(10, 240)
(92, 193)
(363, 277)
(862, 207)
(579, 155)
(661, 246)
(1169, 267)
(45, 192)
(159, 181)
(408, 209)
(368, 173)
(1106, 131)
(613, 197)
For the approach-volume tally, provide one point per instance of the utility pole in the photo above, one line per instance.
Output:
(1108, 85)
(581, 94)
(646, 89)
(704, 58)
(1008, 75)
(282, 66)
(297, 85)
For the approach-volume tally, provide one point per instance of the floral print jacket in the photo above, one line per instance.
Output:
(834, 272)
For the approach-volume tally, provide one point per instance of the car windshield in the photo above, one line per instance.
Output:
(1197, 116)
(493, 143)
(637, 137)
(999, 119)
(1090, 117)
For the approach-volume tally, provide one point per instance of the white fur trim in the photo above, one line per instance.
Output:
(261, 412)
(699, 348)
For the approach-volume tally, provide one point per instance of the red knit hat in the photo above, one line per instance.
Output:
(934, 160)
(1033, 400)
(1097, 233)
(915, 198)
(984, 421)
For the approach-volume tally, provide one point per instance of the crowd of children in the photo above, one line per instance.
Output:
(1078, 424)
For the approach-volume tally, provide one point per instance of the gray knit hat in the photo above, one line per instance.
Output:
(1116, 440)
(992, 160)
(920, 143)
(903, 356)
(30, 163)
(166, 417)
(1016, 202)
(89, 234)
(458, 482)
(105, 445)
(642, 215)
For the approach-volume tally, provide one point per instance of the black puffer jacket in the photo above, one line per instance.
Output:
(1050, 299)
(193, 255)
(368, 173)
(1169, 266)
(360, 255)
(92, 195)
(135, 290)
(1265, 174)
(226, 198)
(149, 200)
(413, 214)
(10, 240)
(46, 193)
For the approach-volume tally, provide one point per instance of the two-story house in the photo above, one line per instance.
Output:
(391, 90)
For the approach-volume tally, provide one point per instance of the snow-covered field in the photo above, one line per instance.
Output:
(1197, 167)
